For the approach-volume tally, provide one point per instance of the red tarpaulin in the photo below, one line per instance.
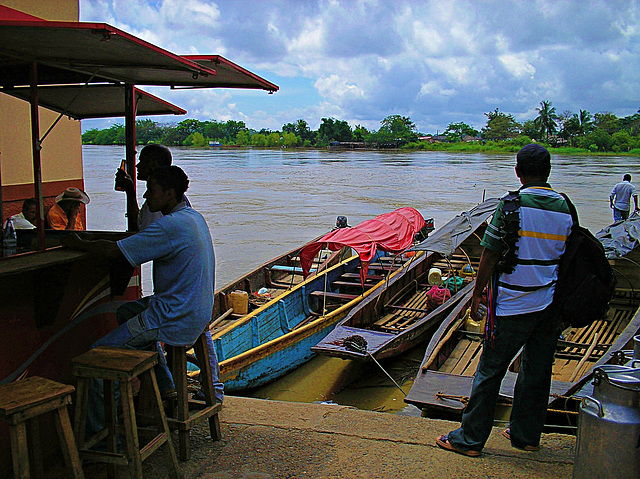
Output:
(391, 232)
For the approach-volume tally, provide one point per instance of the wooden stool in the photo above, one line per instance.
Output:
(122, 365)
(21, 403)
(182, 419)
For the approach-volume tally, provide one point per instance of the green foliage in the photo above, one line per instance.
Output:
(457, 131)
(600, 133)
(290, 140)
(196, 139)
(334, 130)
(243, 138)
(258, 140)
(274, 139)
(500, 126)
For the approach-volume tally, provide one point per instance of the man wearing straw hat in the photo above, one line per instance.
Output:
(65, 214)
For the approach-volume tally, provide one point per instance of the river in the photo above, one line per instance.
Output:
(260, 203)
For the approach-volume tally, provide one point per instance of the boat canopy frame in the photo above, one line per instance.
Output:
(51, 55)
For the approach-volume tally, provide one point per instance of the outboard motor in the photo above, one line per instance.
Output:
(341, 222)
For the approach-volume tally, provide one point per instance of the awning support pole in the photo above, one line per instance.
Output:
(36, 147)
(130, 145)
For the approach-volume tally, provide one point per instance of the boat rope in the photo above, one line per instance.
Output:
(358, 344)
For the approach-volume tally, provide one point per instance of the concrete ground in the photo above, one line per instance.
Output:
(276, 440)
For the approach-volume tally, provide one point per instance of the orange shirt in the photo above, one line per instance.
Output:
(57, 219)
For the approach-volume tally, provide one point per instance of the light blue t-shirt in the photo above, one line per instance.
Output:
(180, 246)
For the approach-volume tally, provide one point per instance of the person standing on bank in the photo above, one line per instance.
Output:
(620, 199)
(522, 250)
(151, 157)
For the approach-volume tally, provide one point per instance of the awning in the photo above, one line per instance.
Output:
(392, 232)
(446, 239)
(95, 101)
(81, 52)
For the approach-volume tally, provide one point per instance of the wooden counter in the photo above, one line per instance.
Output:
(54, 304)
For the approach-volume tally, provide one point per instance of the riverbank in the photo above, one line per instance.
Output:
(282, 440)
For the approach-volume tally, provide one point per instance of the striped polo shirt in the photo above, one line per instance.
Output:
(545, 224)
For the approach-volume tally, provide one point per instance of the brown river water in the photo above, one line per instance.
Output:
(261, 203)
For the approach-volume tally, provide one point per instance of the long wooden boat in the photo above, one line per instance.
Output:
(277, 337)
(402, 313)
(444, 381)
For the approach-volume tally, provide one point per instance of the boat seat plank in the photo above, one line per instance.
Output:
(351, 284)
(332, 295)
(369, 277)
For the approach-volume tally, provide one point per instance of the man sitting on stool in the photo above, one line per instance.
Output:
(180, 246)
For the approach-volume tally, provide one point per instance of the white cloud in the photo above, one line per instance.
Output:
(517, 64)
(337, 88)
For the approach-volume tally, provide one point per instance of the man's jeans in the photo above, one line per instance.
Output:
(538, 332)
(619, 215)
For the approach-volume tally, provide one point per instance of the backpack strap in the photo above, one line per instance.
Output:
(572, 210)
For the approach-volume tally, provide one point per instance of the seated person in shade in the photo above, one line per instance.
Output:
(65, 214)
(26, 220)
(180, 246)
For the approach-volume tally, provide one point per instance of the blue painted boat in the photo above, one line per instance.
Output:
(277, 337)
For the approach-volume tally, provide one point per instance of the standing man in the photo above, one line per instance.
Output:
(522, 250)
(180, 246)
(151, 156)
(620, 199)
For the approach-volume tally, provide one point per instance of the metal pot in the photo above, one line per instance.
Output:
(608, 443)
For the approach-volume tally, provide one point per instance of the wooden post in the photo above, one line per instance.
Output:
(130, 144)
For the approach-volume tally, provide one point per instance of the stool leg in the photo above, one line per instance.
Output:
(131, 429)
(68, 443)
(80, 413)
(35, 451)
(19, 450)
(202, 353)
(110, 422)
(179, 371)
(150, 383)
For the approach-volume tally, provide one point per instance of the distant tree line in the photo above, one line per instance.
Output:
(601, 132)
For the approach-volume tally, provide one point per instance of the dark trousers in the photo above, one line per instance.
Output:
(538, 333)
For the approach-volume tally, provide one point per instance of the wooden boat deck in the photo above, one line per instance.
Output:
(452, 358)
(583, 347)
(407, 310)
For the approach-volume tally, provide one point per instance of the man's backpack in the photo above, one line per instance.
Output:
(586, 281)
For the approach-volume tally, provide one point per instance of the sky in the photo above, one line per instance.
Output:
(436, 62)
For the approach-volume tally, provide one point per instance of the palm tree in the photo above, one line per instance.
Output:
(546, 120)
(585, 122)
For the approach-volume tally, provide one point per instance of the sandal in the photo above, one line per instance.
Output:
(507, 433)
(443, 442)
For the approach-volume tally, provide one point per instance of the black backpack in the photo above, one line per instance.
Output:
(586, 281)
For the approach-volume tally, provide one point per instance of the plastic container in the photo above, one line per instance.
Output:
(435, 276)
(239, 301)
(9, 239)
